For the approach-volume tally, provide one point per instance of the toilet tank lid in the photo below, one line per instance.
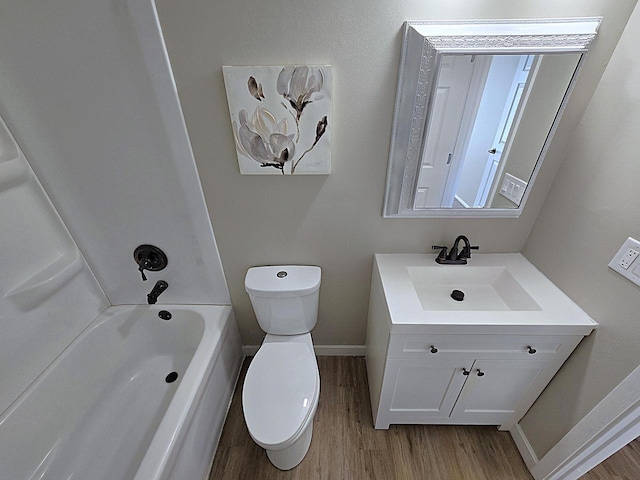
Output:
(282, 280)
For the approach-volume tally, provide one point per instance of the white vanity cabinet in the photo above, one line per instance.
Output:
(465, 379)
(480, 363)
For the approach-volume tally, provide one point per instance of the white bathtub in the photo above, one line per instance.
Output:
(103, 409)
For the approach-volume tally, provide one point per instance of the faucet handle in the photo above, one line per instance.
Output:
(142, 266)
(443, 253)
(149, 257)
(466, 251)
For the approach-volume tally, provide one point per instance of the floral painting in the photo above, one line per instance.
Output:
(281, 118)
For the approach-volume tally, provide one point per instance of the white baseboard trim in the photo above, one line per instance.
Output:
(524, 447)
(321, 350)
(339, 350)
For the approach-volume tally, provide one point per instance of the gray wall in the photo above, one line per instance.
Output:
(589, 212)
(335, 221)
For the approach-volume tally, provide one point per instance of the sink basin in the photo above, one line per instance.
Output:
(484, 288)
(502, 292)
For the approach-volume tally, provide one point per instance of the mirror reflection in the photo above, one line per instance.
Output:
(489, 118)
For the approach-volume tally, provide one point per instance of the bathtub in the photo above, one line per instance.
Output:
(107, 407)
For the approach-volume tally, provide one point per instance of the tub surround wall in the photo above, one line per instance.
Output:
(336, 221)
(589, 212)
(87, 91)
(48, 295)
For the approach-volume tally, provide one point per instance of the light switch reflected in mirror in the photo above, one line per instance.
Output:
(477, 104)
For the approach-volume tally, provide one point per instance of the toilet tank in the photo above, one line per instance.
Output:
(284, 298)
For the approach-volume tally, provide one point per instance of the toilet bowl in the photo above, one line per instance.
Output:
(280, 397)
(282, 386)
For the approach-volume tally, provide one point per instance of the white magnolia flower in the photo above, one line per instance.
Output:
(263, 139)
(298, 84)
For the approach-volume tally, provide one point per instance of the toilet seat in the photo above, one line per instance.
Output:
(280, 392)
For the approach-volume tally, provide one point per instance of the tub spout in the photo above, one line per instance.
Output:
(158, 288)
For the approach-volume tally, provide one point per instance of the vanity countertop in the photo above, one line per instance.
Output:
(505, 293)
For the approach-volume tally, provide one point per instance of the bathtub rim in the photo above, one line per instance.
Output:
(168, 437)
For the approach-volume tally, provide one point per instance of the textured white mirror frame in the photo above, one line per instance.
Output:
(423, 45)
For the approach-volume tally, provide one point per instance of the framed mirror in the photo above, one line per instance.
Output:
(477, 105)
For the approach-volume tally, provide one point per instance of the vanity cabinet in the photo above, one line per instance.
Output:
(495, 389)
(465, 379)
(441, 391)
(484, 361)
(418, 390)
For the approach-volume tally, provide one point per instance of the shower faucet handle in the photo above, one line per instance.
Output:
(141, 269)
(149, 257)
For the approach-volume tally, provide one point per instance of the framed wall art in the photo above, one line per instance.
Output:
(281, 118)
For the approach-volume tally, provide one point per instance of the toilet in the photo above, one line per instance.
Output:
(282, 385)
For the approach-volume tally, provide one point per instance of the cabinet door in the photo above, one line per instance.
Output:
(417, 391)
(495, 389)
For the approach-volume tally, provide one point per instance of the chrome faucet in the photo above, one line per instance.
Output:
(158, 288)
(454, 257)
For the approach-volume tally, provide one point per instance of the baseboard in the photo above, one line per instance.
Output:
(524, 447)
(339, 350)
(321, 350)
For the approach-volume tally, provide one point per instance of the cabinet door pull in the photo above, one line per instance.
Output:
(531, 349)
(465, 371)
(480, 373)
(433, 349)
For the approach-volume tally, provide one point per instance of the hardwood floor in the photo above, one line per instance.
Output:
(622, 465)
(346, 446)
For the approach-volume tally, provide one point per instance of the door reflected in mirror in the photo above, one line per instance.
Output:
(473, 152)
(477, 105)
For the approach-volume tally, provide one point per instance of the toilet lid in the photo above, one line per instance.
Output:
(279, 391)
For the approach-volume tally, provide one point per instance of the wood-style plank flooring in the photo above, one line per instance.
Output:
(345, 445)
(622, 465)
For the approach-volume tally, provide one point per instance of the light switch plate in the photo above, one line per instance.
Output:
(626, 261)
(513, 188)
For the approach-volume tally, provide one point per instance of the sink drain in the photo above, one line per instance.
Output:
(172, 377)
(457, 295)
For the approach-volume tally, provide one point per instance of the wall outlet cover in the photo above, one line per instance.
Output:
(626, 262)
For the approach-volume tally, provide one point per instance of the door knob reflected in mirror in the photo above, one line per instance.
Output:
(493, 150)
